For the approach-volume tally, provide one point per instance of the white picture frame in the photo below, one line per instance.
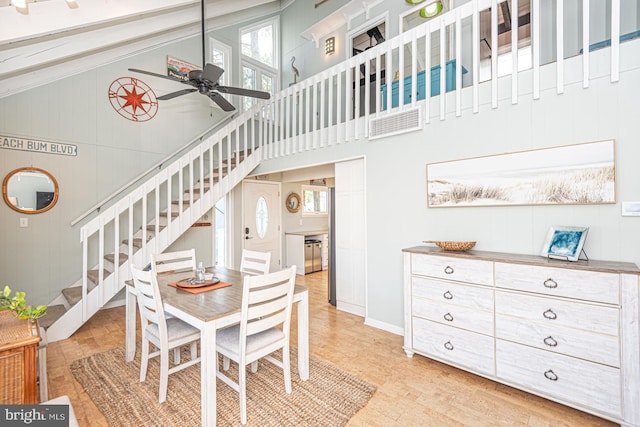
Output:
(564, 242)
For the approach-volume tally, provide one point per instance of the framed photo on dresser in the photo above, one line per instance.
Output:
(564, 242)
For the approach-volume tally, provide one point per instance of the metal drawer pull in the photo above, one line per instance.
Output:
(550, 375)
(549, 314)
(550, 283)
(550, 341)
(447, 295)
(448, 317)
(448, 345)
(448, 270)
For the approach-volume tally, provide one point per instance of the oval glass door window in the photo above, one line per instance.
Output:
(262, 217)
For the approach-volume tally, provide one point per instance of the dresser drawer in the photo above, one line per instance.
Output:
(454, 315)
(458, 346)
(462, 270)
(557, 312)
(578, 284)
(597, 348)
(444, 292)
(555, 375)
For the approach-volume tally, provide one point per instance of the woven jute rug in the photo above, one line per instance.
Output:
(329, 398)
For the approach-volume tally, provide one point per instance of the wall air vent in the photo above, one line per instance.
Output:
(396, 123)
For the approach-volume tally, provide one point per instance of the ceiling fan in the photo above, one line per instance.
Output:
(206, 81)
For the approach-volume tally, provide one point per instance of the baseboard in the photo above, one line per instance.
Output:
(358, 310)
(396, 330)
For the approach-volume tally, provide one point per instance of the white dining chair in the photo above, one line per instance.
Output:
(174, 261)
(266, 304)
(254, 262)
(165, 334)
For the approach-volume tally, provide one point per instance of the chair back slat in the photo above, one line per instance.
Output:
(255, 262)
(257, 311)
(266, 322)
(261, 294)
(174, 261)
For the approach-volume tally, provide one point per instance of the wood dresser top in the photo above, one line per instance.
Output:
(591, 265)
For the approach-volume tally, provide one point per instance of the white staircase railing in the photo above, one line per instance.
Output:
(336, 106)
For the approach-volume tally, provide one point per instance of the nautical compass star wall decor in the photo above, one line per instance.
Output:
(133, 99)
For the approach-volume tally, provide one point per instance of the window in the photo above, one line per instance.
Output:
(259, 58)
(314, 200)
(221, 56)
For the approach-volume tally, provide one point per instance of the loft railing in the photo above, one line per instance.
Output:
(335, 106)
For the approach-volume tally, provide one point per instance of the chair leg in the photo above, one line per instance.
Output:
(164, 374)
(176, 355)
(286, 367)
(194, 350)
(254, 367)
(226, 363)
(242, 391)
(144, 359)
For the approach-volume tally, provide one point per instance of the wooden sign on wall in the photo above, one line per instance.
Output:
(25, 144)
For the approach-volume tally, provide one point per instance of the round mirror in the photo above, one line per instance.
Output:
(30, 190)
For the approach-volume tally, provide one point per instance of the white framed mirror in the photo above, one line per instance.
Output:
(30, 190)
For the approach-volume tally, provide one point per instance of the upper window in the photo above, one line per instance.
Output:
(259, 42)
(259, 59)
(221, 56)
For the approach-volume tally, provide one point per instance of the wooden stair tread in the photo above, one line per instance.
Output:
(74, 295)
(153, 227)
(54, 312)
(93, 276)
(166, 214)
(112, 258)
(137, 242)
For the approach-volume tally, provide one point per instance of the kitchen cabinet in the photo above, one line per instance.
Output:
(295, 248)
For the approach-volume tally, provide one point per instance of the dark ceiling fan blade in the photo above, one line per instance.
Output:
(176, 94)
(173, 79)
(212, 73)
(221, 101)
(243, 92)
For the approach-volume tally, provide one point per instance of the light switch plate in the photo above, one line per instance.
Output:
(24, 222)
(630, 208)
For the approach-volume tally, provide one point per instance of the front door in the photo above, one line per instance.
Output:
(261, 219)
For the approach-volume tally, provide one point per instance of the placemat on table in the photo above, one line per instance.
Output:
(201, 289)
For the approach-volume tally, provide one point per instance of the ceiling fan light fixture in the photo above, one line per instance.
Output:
(431, 10)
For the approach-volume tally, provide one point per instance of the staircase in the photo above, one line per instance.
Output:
(345, 103)
(148, 220)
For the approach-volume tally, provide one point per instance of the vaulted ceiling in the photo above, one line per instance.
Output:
(52, 39)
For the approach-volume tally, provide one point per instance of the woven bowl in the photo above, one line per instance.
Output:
(452, 246)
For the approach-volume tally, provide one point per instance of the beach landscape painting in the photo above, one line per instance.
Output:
(570, 174)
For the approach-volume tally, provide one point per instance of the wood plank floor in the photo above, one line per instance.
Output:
(410, 391)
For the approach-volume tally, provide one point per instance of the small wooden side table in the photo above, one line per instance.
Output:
(18, 360)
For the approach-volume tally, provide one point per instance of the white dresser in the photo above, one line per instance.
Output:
(567, 331)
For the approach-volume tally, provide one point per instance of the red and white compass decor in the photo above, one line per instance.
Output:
(133, 99)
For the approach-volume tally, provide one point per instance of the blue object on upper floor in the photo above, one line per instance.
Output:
(450, 84)
(607, 43)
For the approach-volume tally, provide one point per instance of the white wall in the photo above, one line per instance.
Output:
(397, 213)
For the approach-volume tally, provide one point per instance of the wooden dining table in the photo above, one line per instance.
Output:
(210, 311)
